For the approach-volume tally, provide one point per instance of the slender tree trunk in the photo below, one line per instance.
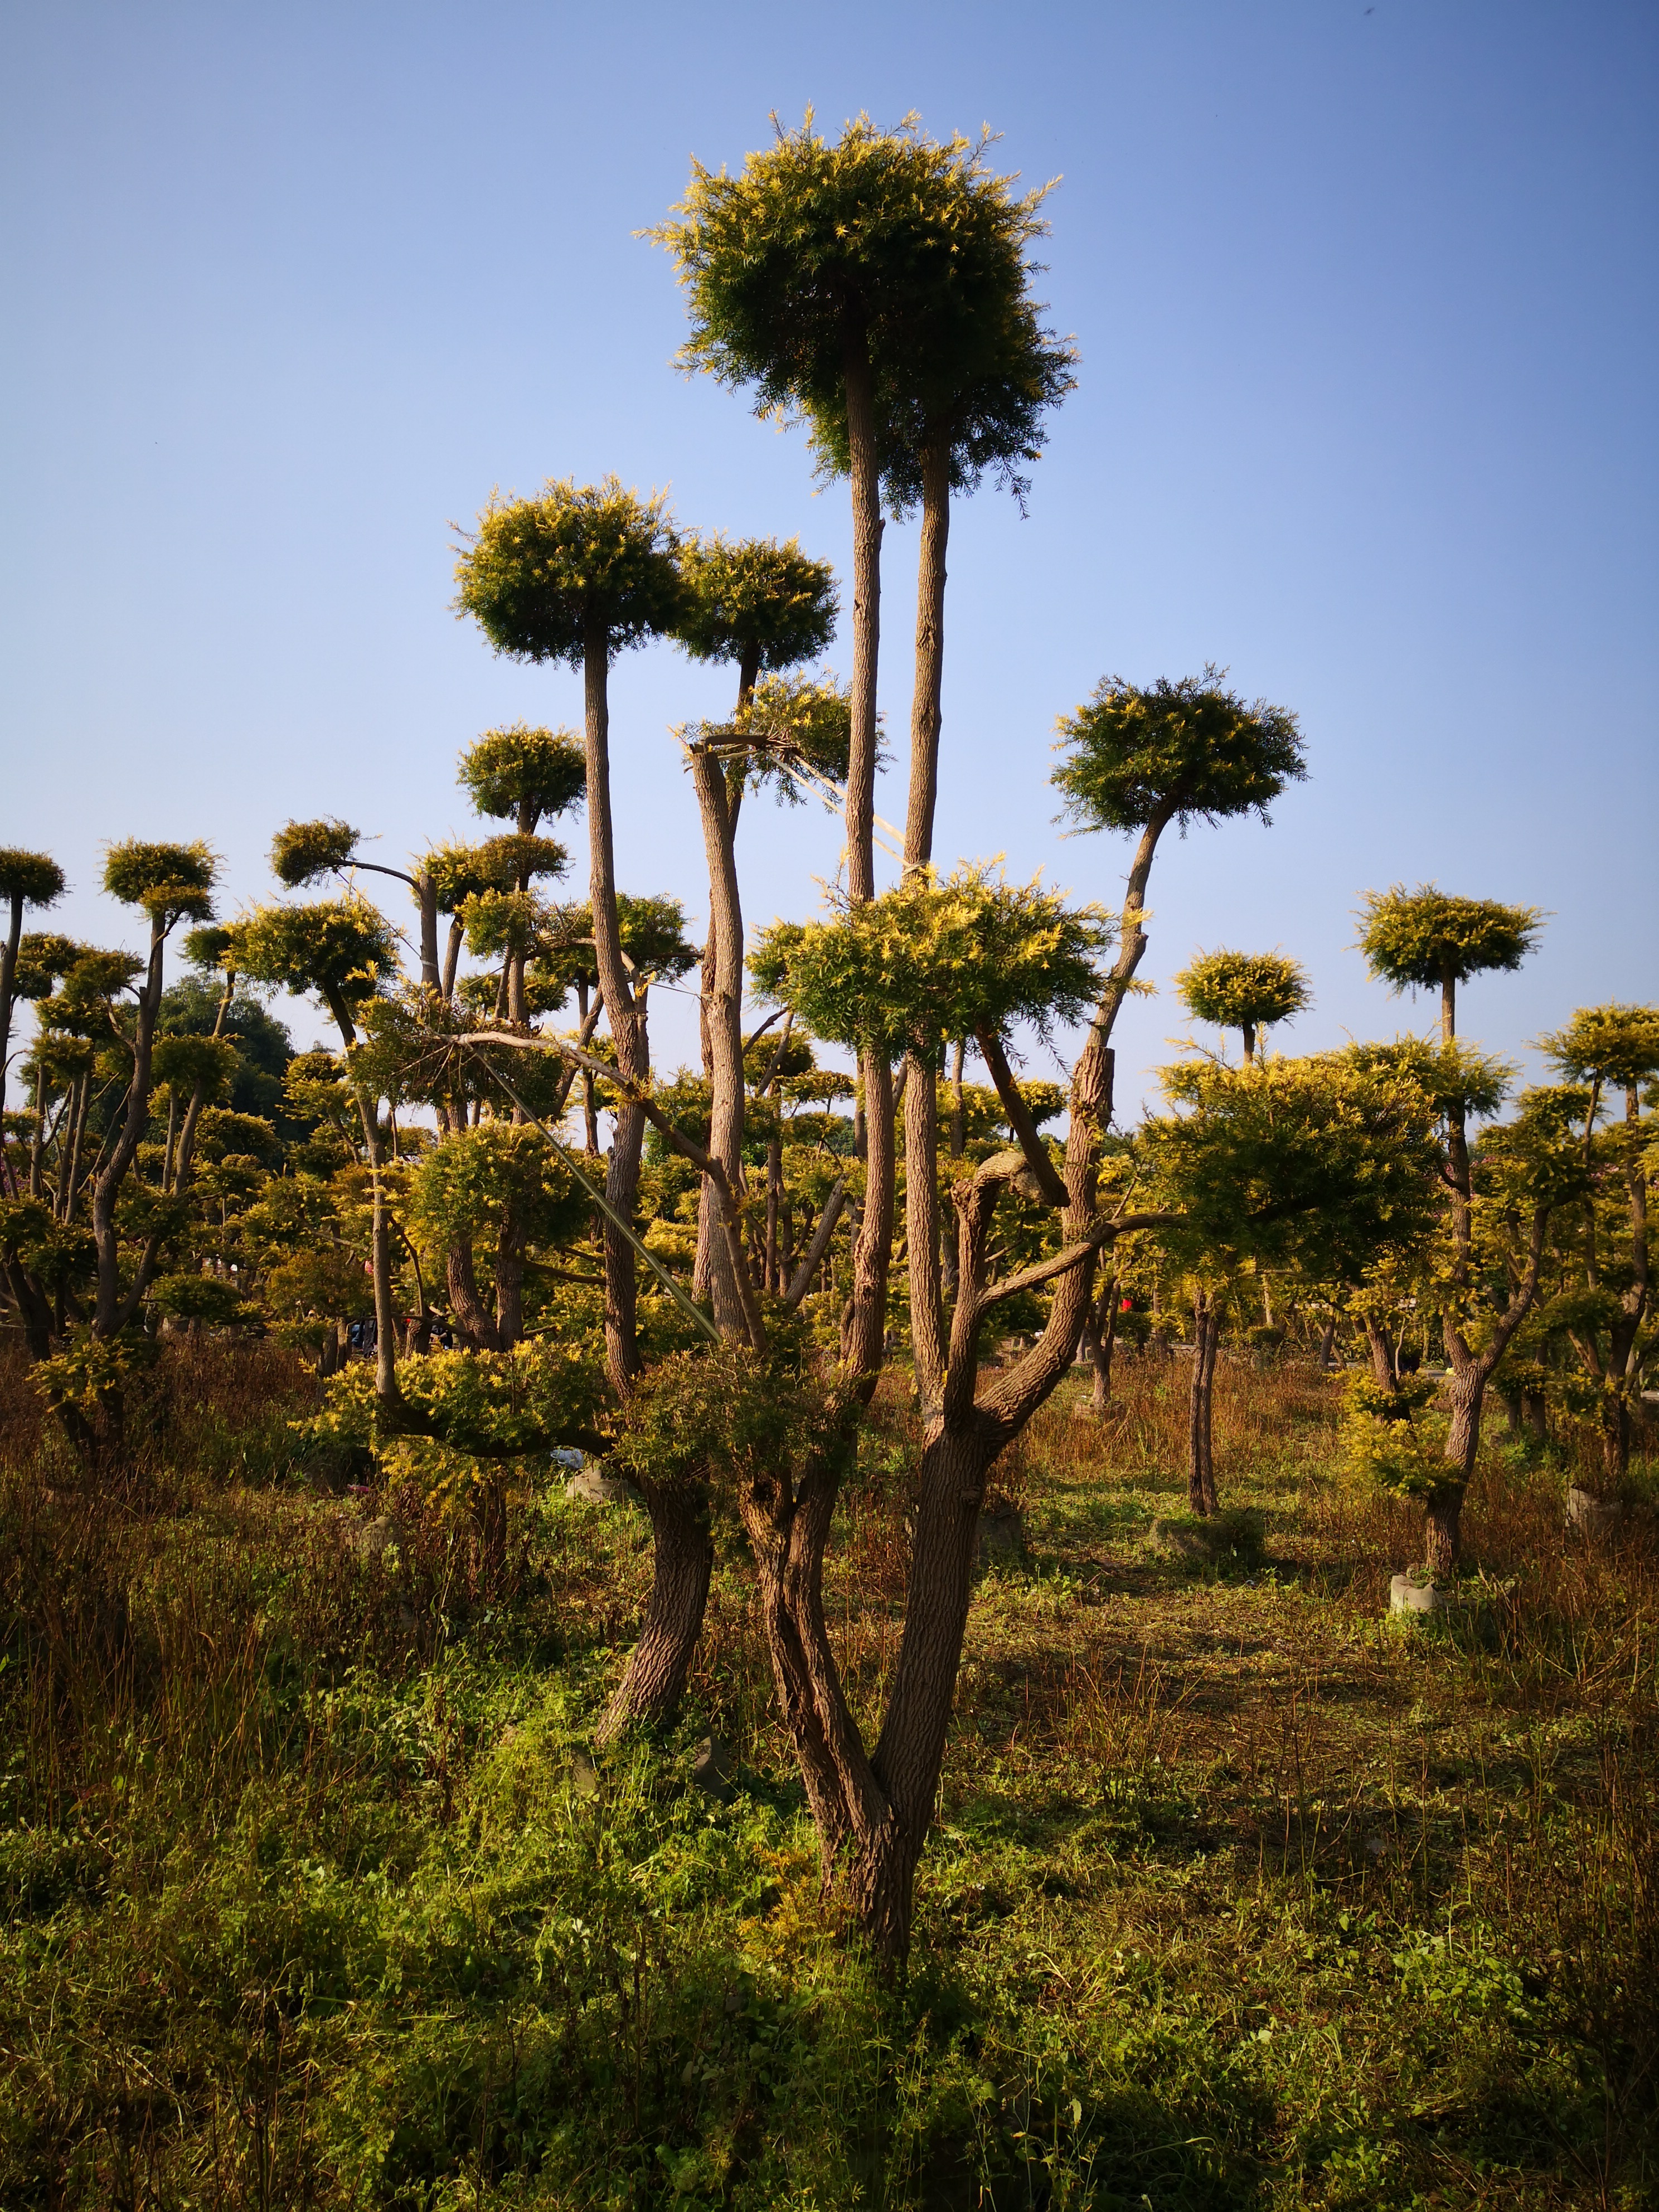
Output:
(108, 1313)
(627, 1016)
(1328, 1347)
(922, 1230)
(864, 1327)
(509, 1284)
(683, 1559)
(1102, 1339)
(8, 990)
(925, 704)
(724, 1028)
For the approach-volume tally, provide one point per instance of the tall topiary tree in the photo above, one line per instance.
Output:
(577, 574)
(1421, 940)
(816, 271)
(1612, 1048)
(27, 879)
(1138, 758)
(303, 853)
(1244, 991)
(343, 950)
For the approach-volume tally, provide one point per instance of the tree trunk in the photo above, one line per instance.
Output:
(1326, 1348)
(925, 703)
(1102, 1339)
(864, 470)
(1200, 1457)
(108, 1314)
(474, 1325)
(864, 1327)
(922, 1230)
(1380, 1347)
(1615, 1438)
(1442, 1533)
(627, 1016)
(509, 1285)
(682, 1562)
(724, 1013)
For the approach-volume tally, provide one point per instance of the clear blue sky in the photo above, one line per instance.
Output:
(1365, 301)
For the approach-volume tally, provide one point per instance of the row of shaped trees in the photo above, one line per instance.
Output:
(711, 1297)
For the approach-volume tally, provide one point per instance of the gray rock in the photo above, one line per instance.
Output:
(713, 1767)
(1596, 1517)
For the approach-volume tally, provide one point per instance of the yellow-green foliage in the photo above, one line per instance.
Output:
(1394, 1437)
(937, 957)
(1419, 939)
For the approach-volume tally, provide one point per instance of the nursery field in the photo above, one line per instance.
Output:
(317, 1892)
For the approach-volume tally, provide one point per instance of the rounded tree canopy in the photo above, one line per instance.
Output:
(1612, 1043)
(1243, 990)
(479, 1177)
(209, 947)
(171, 882)
(517, 773)
(30, 879)
(653, 932)
(1453, 1078)
(342, 948)
(459, 872)
(1323, 1159)
(886, 236)
(300, 851)
(539, 572)
(42, 957)
(1174, 753)
(182, 1062)
(933, 959)
(1424, 940)
(753, 599)
(512, 860)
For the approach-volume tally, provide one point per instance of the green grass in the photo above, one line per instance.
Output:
(1240, 1896)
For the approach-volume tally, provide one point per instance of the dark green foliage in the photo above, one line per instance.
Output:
(342, 948)
(1616, 1045)
(190, 1007)
(1186, 752)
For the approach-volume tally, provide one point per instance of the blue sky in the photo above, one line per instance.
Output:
(1365, 300)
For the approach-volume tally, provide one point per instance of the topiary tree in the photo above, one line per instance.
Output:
(1425, 940)
(1417, 940)
(27, 879)
(816, 272)
(577, 574)
(1139, 757)
(344, 951)
(1605, 1316)
(1244, 991)
(303, 853)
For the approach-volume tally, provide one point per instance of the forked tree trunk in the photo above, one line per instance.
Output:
(683, 1559)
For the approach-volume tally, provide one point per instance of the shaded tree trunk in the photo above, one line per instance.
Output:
(683, 1559)
(1201, 1432)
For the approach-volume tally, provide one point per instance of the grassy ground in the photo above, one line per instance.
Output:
(1240, 1896)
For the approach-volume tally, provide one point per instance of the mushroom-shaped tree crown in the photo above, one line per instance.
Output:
(755, 601)
(344, 948)
(1243, 990)
(30, 879)
(816, 243)
(302, 852)
(935, 958)
(171, 882)
(540, 574)
(1616, 1043)
(42, 957)
(1422, 939)
(521, 773)
(653, 932)
(1182, 751)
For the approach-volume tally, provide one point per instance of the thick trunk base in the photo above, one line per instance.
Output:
(684, 1559)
